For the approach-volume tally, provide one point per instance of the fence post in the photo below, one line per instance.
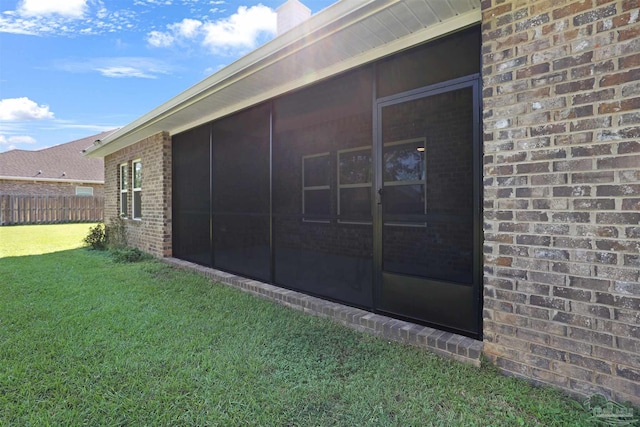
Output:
(21, 209)
(46, 209)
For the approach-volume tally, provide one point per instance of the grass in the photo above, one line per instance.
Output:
(41, 239)
(88, 341)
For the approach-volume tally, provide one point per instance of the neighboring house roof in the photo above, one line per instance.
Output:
(343, 36)
(60, 163)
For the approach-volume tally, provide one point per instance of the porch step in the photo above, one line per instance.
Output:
(446, 344)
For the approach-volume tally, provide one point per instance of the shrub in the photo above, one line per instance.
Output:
(97, 237)
(113, 237)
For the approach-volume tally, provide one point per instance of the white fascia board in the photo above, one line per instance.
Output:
(66, 181)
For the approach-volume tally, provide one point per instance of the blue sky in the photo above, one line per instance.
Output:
(73, 68)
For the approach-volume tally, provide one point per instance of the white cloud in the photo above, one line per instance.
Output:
(67, 124)
(66, 18)
(67, 8)
(152, 2)
(70, 18)
(102, 13)
(19, 139)
(239, 32)
(23, 109)
(118, 67)
(160, 39)
(120, 72)
(12, 142)
(187, 28)
(10, 23)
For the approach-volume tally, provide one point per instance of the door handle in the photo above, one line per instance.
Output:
(379, 196)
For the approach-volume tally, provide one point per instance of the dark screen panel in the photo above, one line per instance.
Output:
(191, 195)
(428, 189)
(241, 193)
(448, 58)
(241, 244)
(315, 251)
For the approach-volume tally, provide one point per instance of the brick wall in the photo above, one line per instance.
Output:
(562, 192)
(152, 233)
(38, 188)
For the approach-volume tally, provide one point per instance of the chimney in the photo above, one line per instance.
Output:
(290, 14)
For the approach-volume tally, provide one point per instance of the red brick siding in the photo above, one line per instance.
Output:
(562, 193)
(35, 188)
(152, 233)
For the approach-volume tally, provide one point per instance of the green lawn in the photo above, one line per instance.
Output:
(41, 239)
(87, 341)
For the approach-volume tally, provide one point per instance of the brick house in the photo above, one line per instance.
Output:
(61, 170)
(463, 175)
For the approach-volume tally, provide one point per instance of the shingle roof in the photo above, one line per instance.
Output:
(63, 162)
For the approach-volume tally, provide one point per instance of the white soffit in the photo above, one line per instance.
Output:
(347, 34)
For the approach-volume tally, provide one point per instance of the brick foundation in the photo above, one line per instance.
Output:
(446, 344)
(562, 193)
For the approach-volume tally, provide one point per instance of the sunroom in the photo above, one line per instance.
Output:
(341, 160)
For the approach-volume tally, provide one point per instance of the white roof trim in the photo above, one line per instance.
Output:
(327, 23)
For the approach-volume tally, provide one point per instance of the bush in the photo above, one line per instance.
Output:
(97, 237)
(114, 238)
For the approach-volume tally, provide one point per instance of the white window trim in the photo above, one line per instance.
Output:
(124, 192)
(315, 187)
(135, 189)
(359, 185)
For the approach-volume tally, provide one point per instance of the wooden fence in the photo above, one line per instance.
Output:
(16, 210)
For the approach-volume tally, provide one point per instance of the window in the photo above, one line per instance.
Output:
(84, 191)
(124, 190)
(404, 174)
(316, 192)
(354, 185)
(137, 189)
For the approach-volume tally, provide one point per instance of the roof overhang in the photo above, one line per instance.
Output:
(343, 36)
